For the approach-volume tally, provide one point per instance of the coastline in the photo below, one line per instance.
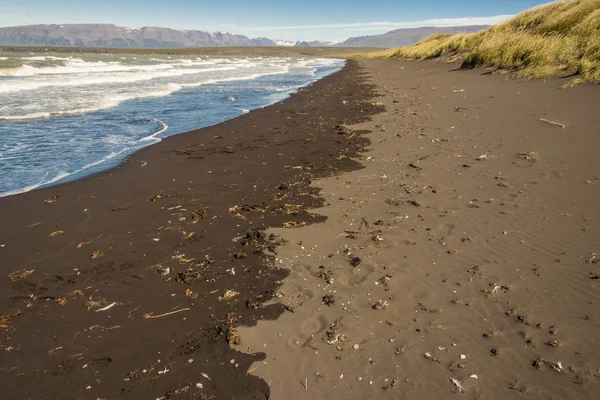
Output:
(92, 266)
(457, 253)
(104, 155)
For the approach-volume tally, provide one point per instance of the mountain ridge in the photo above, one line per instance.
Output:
(406, 36)
(113, 36)
(109, 35)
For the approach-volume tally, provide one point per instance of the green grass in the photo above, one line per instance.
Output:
(556, 39)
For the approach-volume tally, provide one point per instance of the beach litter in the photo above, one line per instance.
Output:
(380, 305)
(108, 307)
(531, 156)
(158, 197)
(293, 224)
(55, 234)
(22, 274)
(557, 366)
(152, 316)
(5, 319)
(555, 124)
(458, 385)
(328, 300)
(197, 215)
(52, 199)
(229, 294)
(96, 254)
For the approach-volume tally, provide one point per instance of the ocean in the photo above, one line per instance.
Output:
(65, 116)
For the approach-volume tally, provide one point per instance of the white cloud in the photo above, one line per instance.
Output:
(397, 25)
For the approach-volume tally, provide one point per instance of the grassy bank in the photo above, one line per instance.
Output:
(557, 39)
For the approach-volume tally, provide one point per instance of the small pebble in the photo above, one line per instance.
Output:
(463, 357)
(355, 347)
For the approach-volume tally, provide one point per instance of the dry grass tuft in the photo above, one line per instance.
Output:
(556, 39)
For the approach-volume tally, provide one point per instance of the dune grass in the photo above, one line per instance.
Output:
(557, 39)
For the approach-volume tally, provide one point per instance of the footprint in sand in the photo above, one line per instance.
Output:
(308, 328)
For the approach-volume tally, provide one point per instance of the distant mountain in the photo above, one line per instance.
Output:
(106, 35)
(406, 37)
(315, 43)
(285, 42)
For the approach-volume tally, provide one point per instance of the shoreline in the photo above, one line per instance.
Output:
(96, 270)
(117, 160)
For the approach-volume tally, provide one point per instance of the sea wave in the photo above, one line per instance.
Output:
(99, 79)
(106, 102)
(111, 100)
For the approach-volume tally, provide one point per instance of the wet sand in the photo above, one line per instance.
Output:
(456, 252)
(132, 283)
(462, 258)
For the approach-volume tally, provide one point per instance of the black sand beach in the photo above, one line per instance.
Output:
(131, 283)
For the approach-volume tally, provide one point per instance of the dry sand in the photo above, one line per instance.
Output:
(461, 258)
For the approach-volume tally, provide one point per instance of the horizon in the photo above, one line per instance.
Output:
(271, 19)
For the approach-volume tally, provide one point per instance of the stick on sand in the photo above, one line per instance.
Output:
(150, 316)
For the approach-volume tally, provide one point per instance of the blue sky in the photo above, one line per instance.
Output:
(288, 20)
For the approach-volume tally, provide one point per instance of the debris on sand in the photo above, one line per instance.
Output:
(96, 254)
(380, 305)
(159, 197)
(328, 300)
(161, 269)
(197, 215)
(355, 261)
(187, 276)
(5, 319)
(108, 307)
(22, 274)
(251, 303)
(92, 304)
(555, 124)
(554, 343)
(52, 199)
(557, 366)
(190, 294)
(151, 316)
(124, 208)
(490, 334)
(531, 156)
(458, 385)
(293, 224)
(229, 294)
(55, 234)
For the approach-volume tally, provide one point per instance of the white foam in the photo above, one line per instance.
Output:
(101, 79)
(61, 175)
(109, 101)
(153, 137)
